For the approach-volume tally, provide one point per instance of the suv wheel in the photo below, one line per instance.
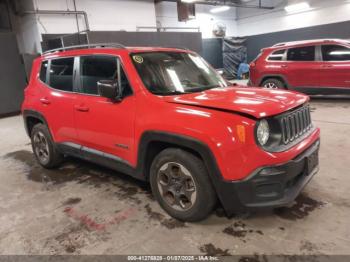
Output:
(273, 83)
(181, 184)
(43, 147)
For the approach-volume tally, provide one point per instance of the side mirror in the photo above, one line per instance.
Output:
(109, 89)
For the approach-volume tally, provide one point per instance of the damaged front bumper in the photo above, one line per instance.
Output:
(269, 187)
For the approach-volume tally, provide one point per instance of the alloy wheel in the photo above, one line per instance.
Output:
(176, 186)
(41, 147)
(271, 85)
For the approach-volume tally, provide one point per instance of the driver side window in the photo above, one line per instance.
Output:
(101, 67)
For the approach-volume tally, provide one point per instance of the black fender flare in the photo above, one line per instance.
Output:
(32, 113)
(177, 140)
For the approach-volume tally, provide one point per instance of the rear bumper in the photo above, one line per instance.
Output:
(269, 187)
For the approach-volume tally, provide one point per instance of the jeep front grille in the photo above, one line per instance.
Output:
(295, 124)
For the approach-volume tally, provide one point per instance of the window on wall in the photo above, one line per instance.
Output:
(97, 68)
(61, 74)
(43, 71)
(335, 53)
(306, 53)
(277, 55)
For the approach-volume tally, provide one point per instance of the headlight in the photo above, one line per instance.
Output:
(263, 132)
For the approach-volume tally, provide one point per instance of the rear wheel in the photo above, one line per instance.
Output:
(181, 184)
(44, 148)
(273, 83)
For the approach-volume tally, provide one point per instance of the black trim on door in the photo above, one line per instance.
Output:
(97, 157)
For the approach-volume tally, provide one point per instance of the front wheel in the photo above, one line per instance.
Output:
(181, 184)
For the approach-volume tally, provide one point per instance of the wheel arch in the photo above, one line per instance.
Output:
(190, 144)
(31, 118)
(153, 142)
(276, 76)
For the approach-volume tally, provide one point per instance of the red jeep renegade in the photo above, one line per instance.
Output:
(315, 67)
(165, 116)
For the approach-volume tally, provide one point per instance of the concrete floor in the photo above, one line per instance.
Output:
(85, 209)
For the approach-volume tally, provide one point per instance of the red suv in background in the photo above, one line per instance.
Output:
(165, 116)
(313, 67)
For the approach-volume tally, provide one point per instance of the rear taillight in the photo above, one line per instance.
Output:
(252, 64)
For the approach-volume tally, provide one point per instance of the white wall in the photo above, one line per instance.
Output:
(254, 22)
(166, 13)
(103, 15)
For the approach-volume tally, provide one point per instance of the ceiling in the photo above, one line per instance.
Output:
(259, 4)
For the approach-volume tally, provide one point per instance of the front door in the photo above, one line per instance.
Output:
(104, 125)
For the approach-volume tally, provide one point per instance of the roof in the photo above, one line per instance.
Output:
(314, 41)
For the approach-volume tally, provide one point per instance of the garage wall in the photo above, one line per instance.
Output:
(12, 75)
(27, 30)
(166, 14)
(103, 15)
(254, 22)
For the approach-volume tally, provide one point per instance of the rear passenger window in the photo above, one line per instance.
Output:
(306, 53)
(277, 55)
(335, 53)
(97, 68)
(61, 74)
(43, 71)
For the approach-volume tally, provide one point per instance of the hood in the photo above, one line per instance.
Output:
(256, 102)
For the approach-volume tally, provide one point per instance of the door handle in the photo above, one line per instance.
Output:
(327, 66)
(82, 108)
(45, 101)
(284, 66)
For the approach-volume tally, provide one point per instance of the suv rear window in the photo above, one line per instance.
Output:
(277, 55)
(61, 74)
(335, 53)
(305, 53)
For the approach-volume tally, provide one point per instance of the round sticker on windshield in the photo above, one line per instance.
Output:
(138, 59)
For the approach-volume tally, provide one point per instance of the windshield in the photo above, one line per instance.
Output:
(167, 73)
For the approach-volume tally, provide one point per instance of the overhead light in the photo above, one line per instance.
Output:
(219, 9)
(297, 7)
(188, 1)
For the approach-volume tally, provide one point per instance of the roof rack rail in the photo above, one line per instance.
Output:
(280, 44)
(102, 45)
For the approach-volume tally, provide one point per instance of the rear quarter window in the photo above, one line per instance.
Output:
(277, 55)
(43, 71)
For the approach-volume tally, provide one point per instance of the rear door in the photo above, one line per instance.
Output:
(302, 68)
(104, 125)
(57, 97)
(335, 68)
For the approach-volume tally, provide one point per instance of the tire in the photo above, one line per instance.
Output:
(273, 83)
(44, 148)
(173, 163)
